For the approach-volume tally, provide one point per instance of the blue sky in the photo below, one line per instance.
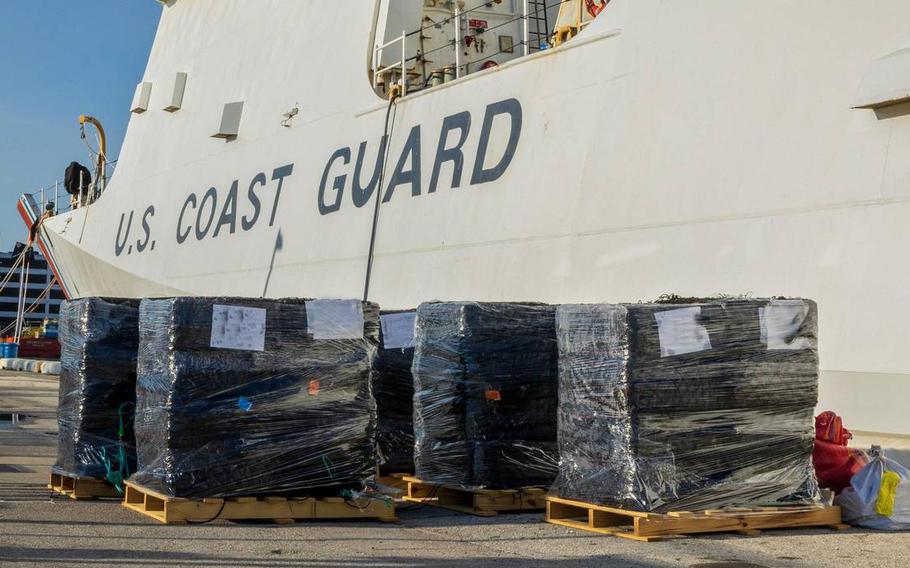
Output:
(60, 59)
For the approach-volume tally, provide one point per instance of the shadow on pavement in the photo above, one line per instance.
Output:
(108, 557)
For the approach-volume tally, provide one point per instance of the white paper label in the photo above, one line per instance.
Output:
(398, 330)
(335, 319)
(680, 332)
(238, 327)
(780, 322)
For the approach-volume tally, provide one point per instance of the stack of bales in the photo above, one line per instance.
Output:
(244, 397)
(485, 380)
(99, 340)
(687, 406)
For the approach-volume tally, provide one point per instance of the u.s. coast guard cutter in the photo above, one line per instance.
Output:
(534, 152)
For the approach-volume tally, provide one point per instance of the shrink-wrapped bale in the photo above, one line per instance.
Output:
(241, 397)
(485, 380)
(393, 388)
(683, 407)
(99, 339)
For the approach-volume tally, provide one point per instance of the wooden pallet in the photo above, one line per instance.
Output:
(281, 510)
(395, 480)
(481, 502)
(76, 487)
(654, 526)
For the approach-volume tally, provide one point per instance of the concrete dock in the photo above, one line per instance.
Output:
(38, 529)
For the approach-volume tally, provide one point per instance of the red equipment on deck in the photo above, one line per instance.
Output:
(835, 463)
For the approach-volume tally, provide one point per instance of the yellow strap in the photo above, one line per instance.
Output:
(884, 505)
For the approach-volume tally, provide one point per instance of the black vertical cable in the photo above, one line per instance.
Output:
(393, 96)
(380, 185)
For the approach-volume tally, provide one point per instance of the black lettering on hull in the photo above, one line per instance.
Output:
(338, 185)
(361, 195)
(200, 231)
(228, 216)
(455, 132)
(147, 231)
(182, 234)
(210, 216)
(119, 244)
(248, 223)
(512, 108)
(401, 176)
(462, 123)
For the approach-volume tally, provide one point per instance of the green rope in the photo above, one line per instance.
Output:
(121, 431)
(122, 472)
(329, 466)
(115, 477)
(351, 495)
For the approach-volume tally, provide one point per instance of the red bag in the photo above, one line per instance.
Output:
(835, 463)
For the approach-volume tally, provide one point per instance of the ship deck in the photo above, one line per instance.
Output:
(37, 529)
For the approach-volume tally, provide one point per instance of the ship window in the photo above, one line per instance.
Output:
(420, 44)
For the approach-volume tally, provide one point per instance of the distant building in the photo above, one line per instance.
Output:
(39, 277)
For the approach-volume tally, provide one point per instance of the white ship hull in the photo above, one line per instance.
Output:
(697, 147)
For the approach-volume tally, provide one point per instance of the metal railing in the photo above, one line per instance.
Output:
(533, 12)
(380, 71)
(52, 193)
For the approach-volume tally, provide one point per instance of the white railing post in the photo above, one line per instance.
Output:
(527, 30)
(56, 196)
(457, 41)
(404, 61)
(376, 66)
(379, 71)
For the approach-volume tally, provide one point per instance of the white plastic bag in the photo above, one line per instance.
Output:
(878, 496)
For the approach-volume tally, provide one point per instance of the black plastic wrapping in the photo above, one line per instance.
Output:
(242, 397)
(99, 340)
(485, 380)
(393, 388)
(686, 407)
